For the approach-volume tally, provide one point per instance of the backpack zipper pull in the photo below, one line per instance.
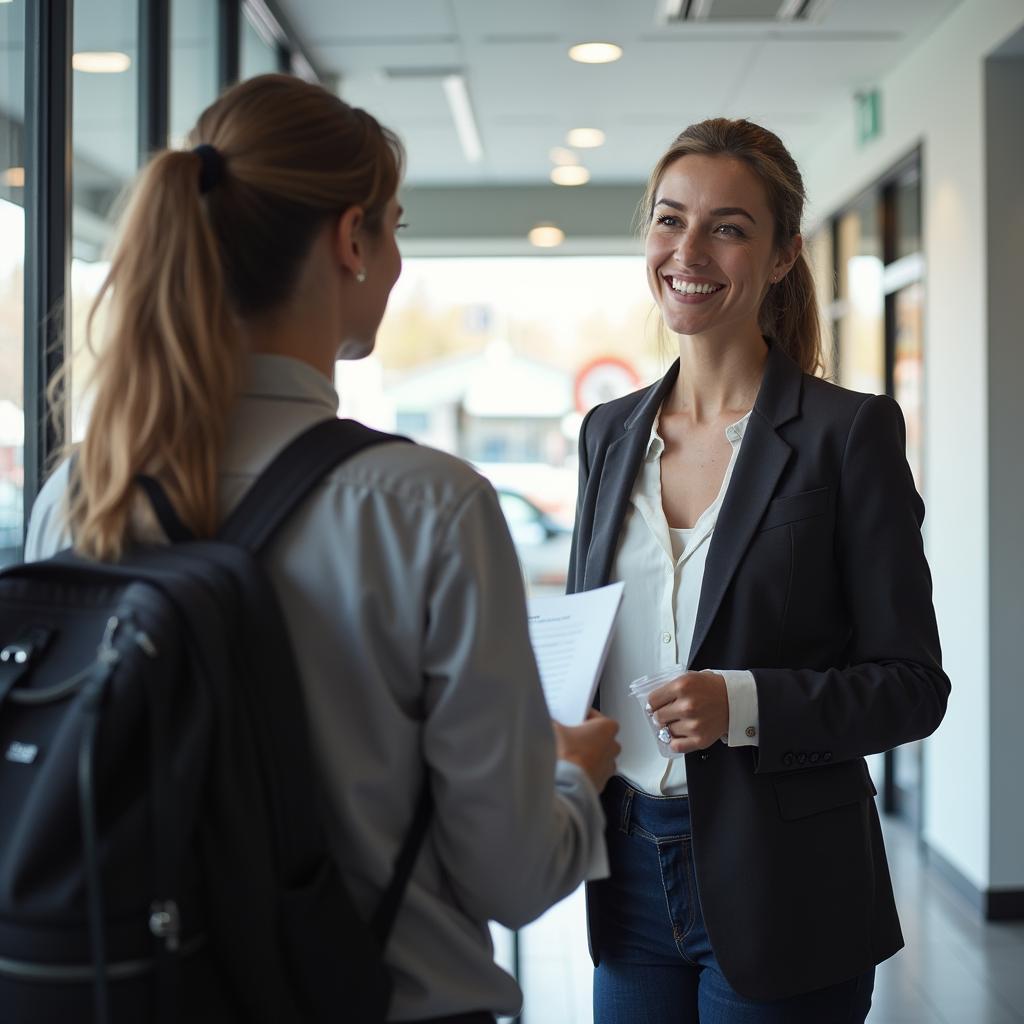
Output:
(145, 643)
(165, 923)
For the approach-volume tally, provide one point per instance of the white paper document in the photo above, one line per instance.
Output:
(571, 634)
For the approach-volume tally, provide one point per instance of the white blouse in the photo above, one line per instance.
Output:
(663, 569)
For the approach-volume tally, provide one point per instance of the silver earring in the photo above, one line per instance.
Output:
(360, 275)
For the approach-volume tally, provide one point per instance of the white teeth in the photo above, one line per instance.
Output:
(688, 288)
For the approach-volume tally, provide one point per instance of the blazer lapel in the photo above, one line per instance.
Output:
(618, 474)
(763, 457)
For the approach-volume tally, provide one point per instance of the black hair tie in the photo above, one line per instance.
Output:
(211, 167)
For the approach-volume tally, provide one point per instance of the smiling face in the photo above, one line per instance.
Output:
(710, 247)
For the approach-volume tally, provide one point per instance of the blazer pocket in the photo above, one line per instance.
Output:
(814, 790)
(792, 507)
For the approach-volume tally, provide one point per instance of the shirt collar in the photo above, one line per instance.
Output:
(655, 445)
(284, 378)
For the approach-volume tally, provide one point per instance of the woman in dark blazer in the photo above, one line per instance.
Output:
(767, 528)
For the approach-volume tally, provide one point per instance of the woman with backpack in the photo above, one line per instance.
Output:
(244, 268)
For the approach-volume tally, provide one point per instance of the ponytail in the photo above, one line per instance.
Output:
(789, 316)
(168, 371)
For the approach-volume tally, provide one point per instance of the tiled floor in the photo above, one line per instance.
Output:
(955, 969)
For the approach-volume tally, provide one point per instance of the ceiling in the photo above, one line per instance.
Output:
(390, 56)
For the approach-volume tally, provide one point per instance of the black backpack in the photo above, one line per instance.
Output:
(162, 856)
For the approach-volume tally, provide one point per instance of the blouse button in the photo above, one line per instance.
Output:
(666, 638)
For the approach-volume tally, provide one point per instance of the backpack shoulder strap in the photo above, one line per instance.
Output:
(387, 909)
(174, 529)
(292, 474)
(277, 492)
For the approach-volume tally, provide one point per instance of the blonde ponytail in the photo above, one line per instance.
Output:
(168, 369)
(188, 263)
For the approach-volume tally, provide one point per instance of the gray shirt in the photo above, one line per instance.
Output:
(405, 604)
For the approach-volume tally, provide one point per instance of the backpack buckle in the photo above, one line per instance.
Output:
(21, 651)
(18, 653)
(165, 923)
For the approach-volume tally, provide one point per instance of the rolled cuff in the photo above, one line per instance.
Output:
(743, 709)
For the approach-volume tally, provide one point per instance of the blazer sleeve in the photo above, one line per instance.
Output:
(892, 689)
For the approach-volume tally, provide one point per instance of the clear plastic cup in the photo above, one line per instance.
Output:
(640, 688)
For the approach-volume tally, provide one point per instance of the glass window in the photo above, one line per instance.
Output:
(259, 49)
(862, 325)
(193, 85)
(12, 264)
(464, 365)
(105, 149)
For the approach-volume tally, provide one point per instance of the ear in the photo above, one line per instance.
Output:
(786, 257)
(349, 248)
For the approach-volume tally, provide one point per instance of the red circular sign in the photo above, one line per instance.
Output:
(603, 379)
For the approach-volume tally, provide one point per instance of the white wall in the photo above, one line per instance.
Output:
(935, 98)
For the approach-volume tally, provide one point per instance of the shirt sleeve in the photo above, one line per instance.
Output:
(743, 719)
(515, 832)
(48, 530)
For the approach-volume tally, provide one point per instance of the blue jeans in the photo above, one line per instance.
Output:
(657, 965)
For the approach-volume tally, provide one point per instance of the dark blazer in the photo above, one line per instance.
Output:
(816, 581)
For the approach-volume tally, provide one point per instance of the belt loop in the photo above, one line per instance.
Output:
(627, 806)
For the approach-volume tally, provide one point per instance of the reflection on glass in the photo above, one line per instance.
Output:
(862, 325)
(105, 151)
(193, 64)
(259, 51)
(12, 263)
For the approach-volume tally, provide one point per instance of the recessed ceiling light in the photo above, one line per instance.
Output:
(562, 156)
(546, 236)
(101, 62)
(595, 53)
(570, 174)
(585, 138)
(14, 177)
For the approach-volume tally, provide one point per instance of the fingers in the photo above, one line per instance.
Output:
(680, 727)
(679, 688)
(685, 742)
(686, 734)
(674, 712)
(666, 694)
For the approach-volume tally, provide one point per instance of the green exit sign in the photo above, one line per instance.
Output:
(869, 116)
